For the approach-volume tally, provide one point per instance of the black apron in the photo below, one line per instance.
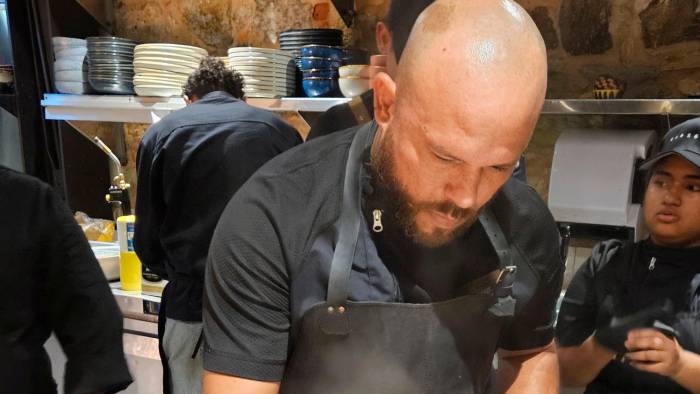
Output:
(377, 347)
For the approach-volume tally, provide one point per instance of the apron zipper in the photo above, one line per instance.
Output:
(652, 264)
(377, 226)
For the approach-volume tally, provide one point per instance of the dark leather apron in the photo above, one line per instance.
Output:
(376, 347)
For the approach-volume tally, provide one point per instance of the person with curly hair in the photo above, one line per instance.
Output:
(189, 165)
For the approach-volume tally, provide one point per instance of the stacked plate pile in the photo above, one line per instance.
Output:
(267, 73)
(69, 68)
(162, 69)
(293, 40)
(111, 68)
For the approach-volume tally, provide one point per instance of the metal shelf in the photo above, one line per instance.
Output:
(149, 109)
(622, 107)
(135, 109)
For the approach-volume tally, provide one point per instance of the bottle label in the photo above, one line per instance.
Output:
(130, 237)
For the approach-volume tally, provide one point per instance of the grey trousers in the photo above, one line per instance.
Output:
(179, 341)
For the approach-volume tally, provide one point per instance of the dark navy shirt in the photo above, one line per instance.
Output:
(189, 165)
(270, 258)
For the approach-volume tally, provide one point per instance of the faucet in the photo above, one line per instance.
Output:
(118, 194)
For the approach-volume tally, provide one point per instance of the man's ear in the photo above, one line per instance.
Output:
(384, 98)
(383, 37)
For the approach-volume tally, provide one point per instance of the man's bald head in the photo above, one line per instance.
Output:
(479, 55)
(463, 106)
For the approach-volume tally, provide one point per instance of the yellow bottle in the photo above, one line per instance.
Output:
(129, 263)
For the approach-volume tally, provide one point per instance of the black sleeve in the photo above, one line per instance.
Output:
(533, 325)
(579, 308)
(534, 234)
(246, 292)
(82, 311)
(150, 206)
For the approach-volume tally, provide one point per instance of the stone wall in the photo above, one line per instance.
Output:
(652, 45)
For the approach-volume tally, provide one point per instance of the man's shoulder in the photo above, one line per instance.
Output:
(14, 182)
(325, 156)
(530, 226)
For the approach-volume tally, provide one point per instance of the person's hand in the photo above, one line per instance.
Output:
(613, 333)
(652, 351)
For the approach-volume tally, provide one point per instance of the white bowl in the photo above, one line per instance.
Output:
(71, 76)
(354, 70)
(352, 86)
(68, 42)
(70, 52)
(68, 65)
(73, 87)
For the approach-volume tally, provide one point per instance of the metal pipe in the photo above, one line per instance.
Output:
(115, 164)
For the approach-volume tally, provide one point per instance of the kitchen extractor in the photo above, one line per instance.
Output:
(596, 190)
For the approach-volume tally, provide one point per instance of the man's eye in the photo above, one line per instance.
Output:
(694, 188)
(500, 168)
(443, 158)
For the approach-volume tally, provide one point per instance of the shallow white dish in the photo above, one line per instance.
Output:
(256, 49)
(167, 55)
(158, 82)
(71, 76)
(144, 65)
(175, 48)
(157, 91)
(73, 87)
(178, 62)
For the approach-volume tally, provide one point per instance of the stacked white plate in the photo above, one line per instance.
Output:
(69, 68)
(267, 73)
(162, 69)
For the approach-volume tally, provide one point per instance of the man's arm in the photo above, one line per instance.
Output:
(149, 207)
(216, 383)
(528, 371)
(581, 364)
(82, 309)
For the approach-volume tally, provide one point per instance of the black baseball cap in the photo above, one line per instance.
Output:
(682, 140)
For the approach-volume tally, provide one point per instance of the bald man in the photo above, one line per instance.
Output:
(399, 257)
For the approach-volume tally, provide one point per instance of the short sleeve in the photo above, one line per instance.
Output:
(246, 295)
(533, 325)
(579, 309)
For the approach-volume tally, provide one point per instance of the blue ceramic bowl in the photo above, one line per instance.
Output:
(321, 87)
(320, 73)
(335, 53)
(309, 63)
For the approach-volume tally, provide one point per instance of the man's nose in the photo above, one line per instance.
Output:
(462, 188)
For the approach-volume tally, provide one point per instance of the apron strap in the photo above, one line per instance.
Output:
(504, 284)
(350, 220)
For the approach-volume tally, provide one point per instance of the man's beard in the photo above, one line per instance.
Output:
(403, 211)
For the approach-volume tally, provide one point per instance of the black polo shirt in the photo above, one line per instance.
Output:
(625, 272)
(189, 165)
(271, 252)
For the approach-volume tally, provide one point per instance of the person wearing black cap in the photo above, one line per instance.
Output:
(630, 319)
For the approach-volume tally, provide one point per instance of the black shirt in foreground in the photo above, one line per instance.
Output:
(271, 252)
(634, 285)
(190, 163)
(50, 281)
